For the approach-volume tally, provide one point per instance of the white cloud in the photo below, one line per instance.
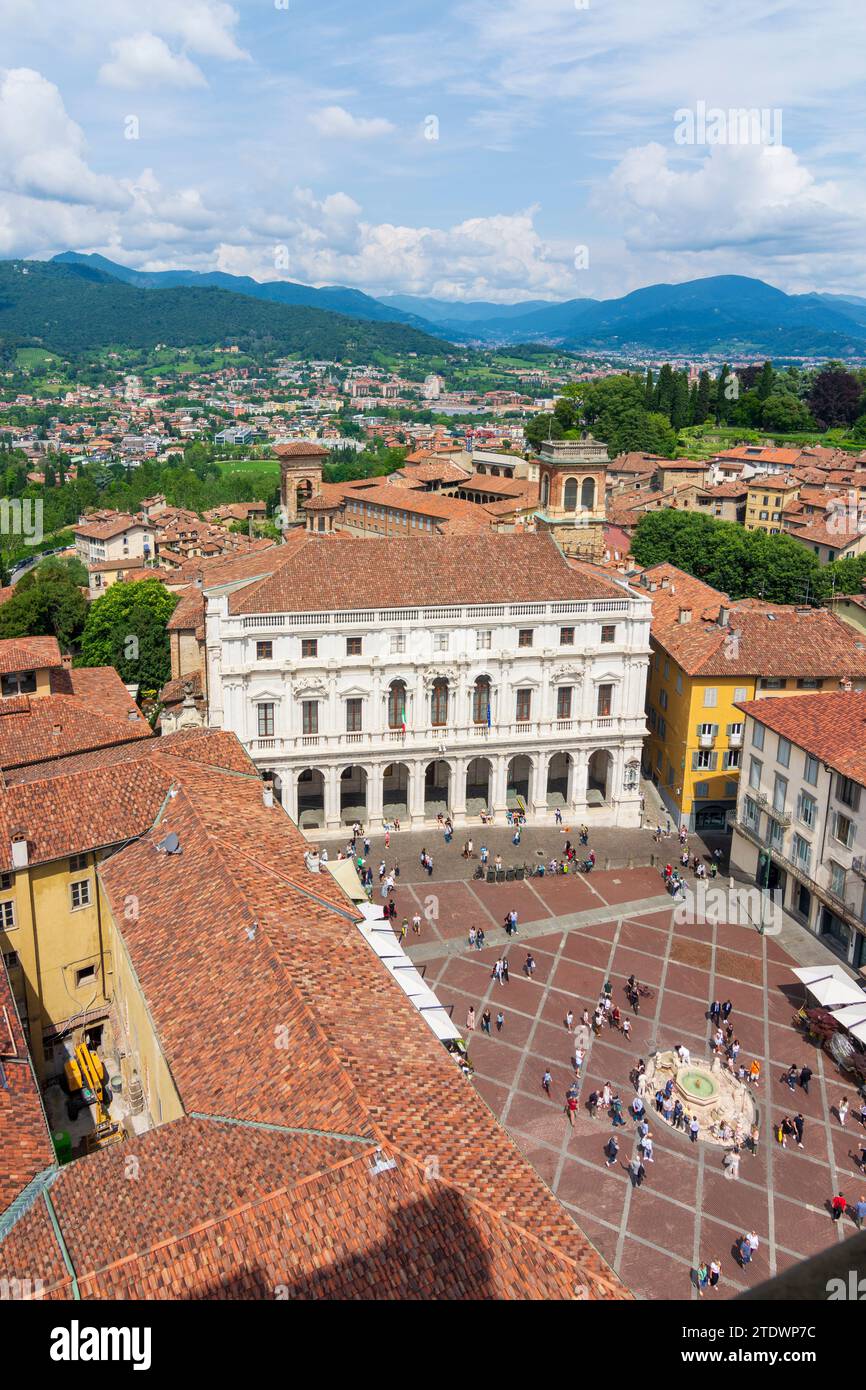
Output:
(336, 123)
(145, 60)
(42, 148)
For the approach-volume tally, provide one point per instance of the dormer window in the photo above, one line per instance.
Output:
(18, 682)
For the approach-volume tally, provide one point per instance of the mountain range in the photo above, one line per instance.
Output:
(723, 315)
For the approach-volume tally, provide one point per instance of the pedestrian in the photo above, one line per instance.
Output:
(752, 1238)
(471, 937)
(731, 1164)
(799, 1125)
(496, 973)
(416, 923)
(500, 1019)
(611, 1148)
(694, 1127)
(726, 1009)
(470, 1019)
(570, 1108)
(754, 1136)
(479, 939)
(626, 1028)
(703, 1277)
(404, 927)
(569, 1020)
(755, 1073)
(366, 846)
(593, 1104)
(744, 1250)
(858, 1212)
(842, 1110)
(636, 1171)
(557, 816)
(546, 1081)
(429, 866)
(637, 1106)
(485, 1022)
(648, 1148)
(616, 1112)
(805, 1078)
(578, 1060)
(529, 966)
(505, 970)
(839, 1206)
(791, 1076)
(382, 868)
(715, 1273)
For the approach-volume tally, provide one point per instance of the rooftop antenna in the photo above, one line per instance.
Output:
(170, 845)
(251, 931)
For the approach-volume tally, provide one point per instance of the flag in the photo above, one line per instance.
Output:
(488, 714)
(403, 717)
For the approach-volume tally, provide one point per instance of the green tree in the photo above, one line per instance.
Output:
(542, 427)
(766, 381)
(784, 414)
(45, 604)
(702, 400)
(679, 411)
(664, 393)
(126, 628)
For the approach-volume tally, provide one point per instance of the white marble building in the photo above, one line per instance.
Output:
(397, 679)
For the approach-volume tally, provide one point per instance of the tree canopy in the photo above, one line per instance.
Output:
(126, 628)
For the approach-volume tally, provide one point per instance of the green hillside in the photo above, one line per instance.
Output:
(73, 309)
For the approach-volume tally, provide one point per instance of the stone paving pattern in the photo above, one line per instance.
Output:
(582, 930)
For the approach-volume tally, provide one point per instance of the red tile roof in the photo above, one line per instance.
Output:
(25, 1143)
(831, 726)
(393, 572)
(29, 653)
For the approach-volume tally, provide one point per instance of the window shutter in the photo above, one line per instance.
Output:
(694, 762)
(714, 761)
(728, 728)
(715, 731)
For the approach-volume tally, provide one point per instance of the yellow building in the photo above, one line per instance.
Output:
(766, 498)
(709, 656)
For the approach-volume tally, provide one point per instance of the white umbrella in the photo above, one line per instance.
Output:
(834, 993)
(810, 973)
(851, 1015)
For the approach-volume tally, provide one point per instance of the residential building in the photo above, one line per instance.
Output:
(272, 1156)
(800, 828)
(399, 679)
(113, 535)
(709, 655)
(766, 500)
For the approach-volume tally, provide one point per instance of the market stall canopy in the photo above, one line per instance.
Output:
(346, 874)
(853, 1019)
(831, 994)
(810, 973)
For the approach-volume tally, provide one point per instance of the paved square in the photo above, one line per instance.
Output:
(583, 930)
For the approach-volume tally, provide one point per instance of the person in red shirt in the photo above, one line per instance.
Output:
(839, 1206)
(570, 1108)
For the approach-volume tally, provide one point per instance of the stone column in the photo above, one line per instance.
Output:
(374, 794)
(457, 795)
(416, 792)
(499, 779)
(539, 783)
(332, 797)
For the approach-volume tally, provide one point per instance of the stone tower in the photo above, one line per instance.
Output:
(572, 475)
(300, 477)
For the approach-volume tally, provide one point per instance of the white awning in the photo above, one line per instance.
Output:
(810, 973)
(380, 936)
(346, 874)
(853, 1019)
(832, 993)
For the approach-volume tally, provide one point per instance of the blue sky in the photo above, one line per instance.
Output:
(496, 149)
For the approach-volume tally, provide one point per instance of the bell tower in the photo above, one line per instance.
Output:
(572, 477)
(300, 477)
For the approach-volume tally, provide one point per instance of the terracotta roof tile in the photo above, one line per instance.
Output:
(831, 726)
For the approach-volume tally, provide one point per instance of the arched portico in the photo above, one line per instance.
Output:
(353, 794)
(599, 778)
(437, 789)
(518, 786)
(395, 792)
(479, 786)
(559, 780)
(311, 798)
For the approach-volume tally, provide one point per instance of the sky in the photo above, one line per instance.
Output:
(503, 150)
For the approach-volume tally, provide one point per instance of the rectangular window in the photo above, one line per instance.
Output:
(771, 683)
(7, 916)
(810, 771)
(80, 893)
(524, 706)
(653, 717)
(837, 880)
(309, 717)
(608, 632)
(6, 881)
(844, 830)
(667, 668)
(757, 735)
(398, 644)
(566, 636)
(354, 716)
(604, 703)
(702, 789)
(524, 637)
(783, 755)
(848, 792)
(563, 702)
(732, 758)
(663, 698)
(353, 646)
(265, 714)
(711, 697)
(807, 808)
(802, 852)
(679, 683)
(483, 639)
(755, 770)
(740, 694)
(811, 684)
(77, 862)
(780, 791)
(751, 814)
(663, 729)
(264, 651)
(11, 960)
(440, 641)
(309, 646)
(705, 759)
(85, 976)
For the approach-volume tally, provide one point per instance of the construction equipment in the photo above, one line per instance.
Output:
(84, 1073)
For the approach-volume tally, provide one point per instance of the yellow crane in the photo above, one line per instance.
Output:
(85, 1073)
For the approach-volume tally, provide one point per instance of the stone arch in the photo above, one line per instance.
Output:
(437, 788)
(353, 793)
(395, 791)
(479, 785)
(311, 798)
(545, 489)
(560, 772)
(518, 787)
(599, 777)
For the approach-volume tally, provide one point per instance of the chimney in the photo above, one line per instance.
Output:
(66, 660)
(20, 850)
(268, 792)
(685, 615)
(724, 615)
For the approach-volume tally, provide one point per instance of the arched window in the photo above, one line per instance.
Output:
(439, 702)
(481, 700)
(545, 490)
(569, 495)
(587, 494)
(397, 705)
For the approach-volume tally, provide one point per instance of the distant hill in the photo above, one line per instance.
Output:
(337, 299)
(72, 307)
(458, 313)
